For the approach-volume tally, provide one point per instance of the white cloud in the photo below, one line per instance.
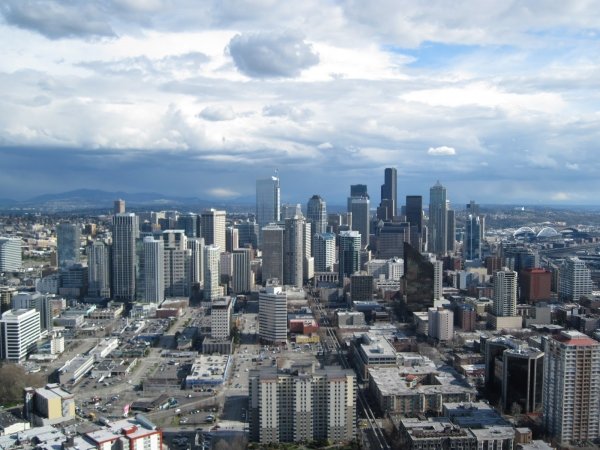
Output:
(441, 151)
(217, 113)
(325, 146)
(561, 196)
(572, 166)
(223, 193)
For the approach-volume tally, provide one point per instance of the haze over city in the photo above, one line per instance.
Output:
(201, 98)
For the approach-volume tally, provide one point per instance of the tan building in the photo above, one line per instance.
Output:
(48, 405)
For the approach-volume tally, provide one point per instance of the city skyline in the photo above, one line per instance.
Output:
(204, 99)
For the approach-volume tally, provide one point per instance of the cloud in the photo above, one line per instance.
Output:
(296, 113)
(190, 62)
(441, 151)
(57, 20)
(223, 193)
(217, 113)
(572, 166)
(561, 196)
(325, 146)
(272, 54)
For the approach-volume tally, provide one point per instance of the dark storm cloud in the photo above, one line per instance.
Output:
(272, 54)
(57, 20)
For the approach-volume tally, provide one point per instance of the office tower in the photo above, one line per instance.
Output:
(125, 232)
(302, 404)
(358, 190)
(535, 285)
(324, 251)
(519, 258)
(390, 239)
(472, 241)
(20, 330)
(272, 252)
(153, 268)
(575, 280)
(119, 207)
(420, 280)
(316, 213)
(522, 379)
(389, 193)
(359, 207)
(348, 254)
(272, 314)
(505, 293)
(189, 223)
(225, 269)
(220, 318)
(441, 323)
(196, 245)
(177, 260)
(232, 239)
(571, 392)
(212, 275)
(213, 227)
(248, 234)
(474, 210)
(241, 281)
(438, 220)
(37, 301)
(308, 261)
(289, 211)
(68, 236)
(293, 255)
(268, 201)
(10, 254)
(73, 280)
(450, 229)
(414, 216)
(361, 287)
(98, 256)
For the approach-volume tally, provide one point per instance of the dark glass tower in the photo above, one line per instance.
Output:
(389, 193)
(419, 280)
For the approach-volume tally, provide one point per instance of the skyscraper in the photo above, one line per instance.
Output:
(359, 207)
(571, 392)
(37, 301)
(189, 224)
(575, 280)
(324, 251)
(438, 219)
(153, 270)
(241, 281)
(196, 245)
(212, 274)
(10, 254)
(248, 234)
(125, 232)
(119, 207)
(450, 229)
(505, 293)
(177, 259)
(421, 283)
(272, 252)
(316, 213)
(68, 236)
(293, 256)
(349, 254)
(98, 256)
(19, 331)
(268, 201)
(213, 227)
(472, 241)
(272, 314)
(389, 193)
(414, 216)
(441, 323)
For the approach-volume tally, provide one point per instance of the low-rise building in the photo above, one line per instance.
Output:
(49, 405)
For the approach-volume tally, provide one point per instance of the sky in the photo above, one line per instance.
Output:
(498, 100)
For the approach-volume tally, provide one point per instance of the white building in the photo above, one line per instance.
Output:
(220, 318)
(154, 271)
(20, 330)
(574, 280)
(441, 324)
(196, 245)
(324, 251)
(505, 293)
(212, 289)
(10, 254)
(213, 227)
(177, 259)
(272, 314)
(571, 389)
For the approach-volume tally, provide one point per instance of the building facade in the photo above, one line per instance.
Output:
(125, 233)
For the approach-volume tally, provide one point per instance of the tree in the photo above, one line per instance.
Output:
(13, 379)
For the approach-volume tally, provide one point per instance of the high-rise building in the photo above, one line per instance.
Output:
(420, 281)
(268, 201)
(196, 245)
(232, 239)
(98, 256)
(361, 287)
(414, 216)
(213, 227)
(571, 392)
(119, 207)
(302, 404)
(324, 251)
(177, 260)
(272, 252)
(308, 261)
(390, 238)
(125, 232)
(293, 255)
(153, 268)
(389, 193)
(10, 254)
(316, 213)
(189, 223)
(248, 234)
(68, 236)
(575, 280)
(535, 285)
(358, 190)
(438, 220)
(212, 275)
(220, 318)
(272, 314)
(359, 207)
(241, 280)
(441, 323)
(522, 379)
(505, 293)
(450, 229)
(475, 210)
(20, 330)
(37, 301)
(472, 241)
(348, 254)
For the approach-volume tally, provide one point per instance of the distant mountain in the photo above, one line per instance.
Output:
(87, 199)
